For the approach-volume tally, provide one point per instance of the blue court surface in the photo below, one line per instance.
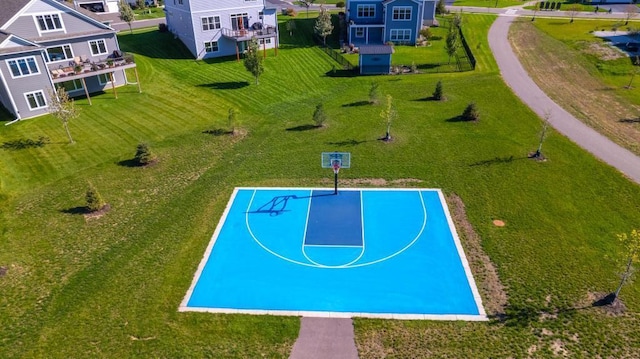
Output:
(386, 253)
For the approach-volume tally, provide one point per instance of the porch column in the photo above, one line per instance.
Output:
(264, 48)
(86, 92)
(113, 84)
(135, 70)
(237, 52)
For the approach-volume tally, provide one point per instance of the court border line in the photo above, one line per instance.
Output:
(481, 316)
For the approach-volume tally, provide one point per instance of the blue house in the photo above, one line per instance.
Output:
(375, 22)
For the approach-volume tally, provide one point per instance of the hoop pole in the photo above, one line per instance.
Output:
(335, 182)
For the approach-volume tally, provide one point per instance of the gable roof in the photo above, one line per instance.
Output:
(18, 44)
(10, 8)
(386, 2)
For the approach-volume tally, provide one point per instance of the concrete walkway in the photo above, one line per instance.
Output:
(325, 338)
(523, 86)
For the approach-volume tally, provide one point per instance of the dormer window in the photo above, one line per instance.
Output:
(51, 22)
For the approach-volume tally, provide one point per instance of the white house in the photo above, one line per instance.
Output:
(221, 27)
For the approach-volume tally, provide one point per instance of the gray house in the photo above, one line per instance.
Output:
(46, 44)
(222, 27)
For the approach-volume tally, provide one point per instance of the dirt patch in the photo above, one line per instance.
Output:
(3, 271)
(97, 214)
(602, 51)
(498, 223)
(595, 299)
(374, 182)
(494, 295)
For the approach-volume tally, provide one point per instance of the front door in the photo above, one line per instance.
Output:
(240, 21)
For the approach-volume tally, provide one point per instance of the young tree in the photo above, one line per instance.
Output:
(126, 14)
(631, 245)
(233, 118)
(452, 43)
(471, 113)
(253, 60)
(63, 108)
(141, 4)
(374, 96)
(323, 26)
(630, 11)
(291, 25)
(143, 155)
(573, 10)
(438, 94)
(388, 114)
(319, 116)
(543, 135)
(307, 4)
(441, 9)
(457, 19)
(94, 199)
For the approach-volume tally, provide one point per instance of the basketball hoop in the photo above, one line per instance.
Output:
(335, 164)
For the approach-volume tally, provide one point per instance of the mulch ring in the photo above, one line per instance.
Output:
(97, 214)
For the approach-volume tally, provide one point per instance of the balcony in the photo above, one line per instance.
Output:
(248, 34)
(81, 68)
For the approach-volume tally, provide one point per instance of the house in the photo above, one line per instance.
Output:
(222, 27)
(375, 22)
(107, 6)
(46, 44)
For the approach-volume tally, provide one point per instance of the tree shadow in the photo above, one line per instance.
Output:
(522, 317)
(218, 132)
(306, 127)
(457, 119)
(231, 85)
(129, 163)
(425, 99)
(496, 160)
(630, 120)
(348, 142)
(155, 44)
(356, 104)
(75, 210)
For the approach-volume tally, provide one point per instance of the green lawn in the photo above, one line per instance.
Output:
(110, 287)
(149, 13)
(488, 3)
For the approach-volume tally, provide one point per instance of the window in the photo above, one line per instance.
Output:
(359, 31)
(70, 86)
(366, 10)
(402, 13)
(210, 23)
(98, 47)
(400, 35)
(239, 21)
(211, 46)
(35, 100)
(50, 22)
(23, 67)
(265, 41)
(179, 2)
(59, 53)
(104, 79)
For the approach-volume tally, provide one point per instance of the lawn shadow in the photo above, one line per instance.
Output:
(347, 142)
(522, 317)
(76, 210)
(457, 119)
(356, 104)
(496, 160)
(341, 73)
(306, 127)
(155, 44)
(630, 120)
(218, 132)
(428, 98)
(231, 85)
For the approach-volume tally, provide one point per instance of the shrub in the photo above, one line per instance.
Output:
(471, 113)
(558, 4)
(162, 27)
(426, 33)
(438, 94)
(319, 116)
(291, 12)
(441, 8)
(94, 199)
(143, 155)
(340, 4)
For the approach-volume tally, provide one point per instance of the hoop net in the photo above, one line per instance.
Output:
(335, 164)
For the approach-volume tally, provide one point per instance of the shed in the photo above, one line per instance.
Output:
(375, 59)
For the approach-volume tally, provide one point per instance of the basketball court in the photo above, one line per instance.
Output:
(385, 253)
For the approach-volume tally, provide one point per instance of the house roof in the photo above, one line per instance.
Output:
(10, 8)
(375, 50)
(385, 2)
(25, 45)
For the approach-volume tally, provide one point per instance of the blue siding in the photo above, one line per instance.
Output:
(411, 25)
(352, 12)
(375, 64)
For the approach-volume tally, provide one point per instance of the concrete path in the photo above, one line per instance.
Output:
(325, 338)
(523, 86)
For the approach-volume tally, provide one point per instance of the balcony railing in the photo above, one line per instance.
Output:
(83, 68)
(246, 34)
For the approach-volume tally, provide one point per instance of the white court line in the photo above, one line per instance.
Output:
(463, 257)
